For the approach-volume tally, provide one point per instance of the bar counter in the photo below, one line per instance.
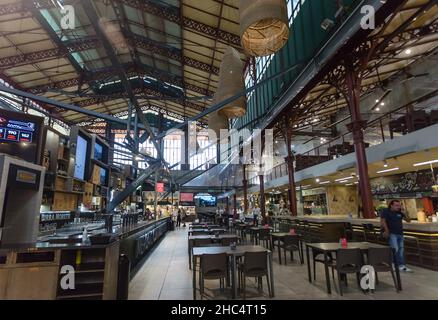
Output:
(37, 272)
(421, 239)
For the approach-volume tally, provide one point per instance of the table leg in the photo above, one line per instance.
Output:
(397, 271)
(190, 255)
(233, 275)
(308, 263)
(271, 274)
(279, 251)
(194, 278)
(228, 273)
(327, 273)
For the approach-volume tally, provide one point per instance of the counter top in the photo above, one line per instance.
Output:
(73, 240)
(409, 226)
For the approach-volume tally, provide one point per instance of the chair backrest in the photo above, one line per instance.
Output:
(348, 257)
(214, 262)
(380, 256)
(198, 233)
(255, 261)
(202, 242)
(290, 240)
(264, 233)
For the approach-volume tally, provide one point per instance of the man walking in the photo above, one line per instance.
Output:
(392, 225)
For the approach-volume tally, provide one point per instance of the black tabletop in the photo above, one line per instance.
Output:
(282, 234)
(210, 236)
(240, 250)
(350, 245)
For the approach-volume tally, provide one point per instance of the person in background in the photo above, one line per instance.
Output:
(391, 221)
(148, 214)
(256, 213)
(183, 217)
(174, 215)
(178, 219)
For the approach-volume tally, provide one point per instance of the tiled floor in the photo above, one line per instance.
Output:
(166, 276)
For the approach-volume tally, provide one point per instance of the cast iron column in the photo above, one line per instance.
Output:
(234, 207)
(262, 197)
(356, 127)
(245, 190)
(291, 173)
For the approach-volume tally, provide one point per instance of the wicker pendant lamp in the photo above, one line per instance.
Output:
(264, 26)
(231, 82)
(216, 122)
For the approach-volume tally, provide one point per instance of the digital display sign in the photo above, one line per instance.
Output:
(186, 197)
(98, 151)
(16, 131)
(81, 157)
(205, 200)
(21, 135)
(159, 187)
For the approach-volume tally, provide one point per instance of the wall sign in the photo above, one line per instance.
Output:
(159, 187)
(410, 182)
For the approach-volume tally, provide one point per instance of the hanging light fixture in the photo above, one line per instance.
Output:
(216, 122)
(231, 82)
(264, 26)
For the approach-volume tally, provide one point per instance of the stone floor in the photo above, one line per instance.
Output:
(166, 276)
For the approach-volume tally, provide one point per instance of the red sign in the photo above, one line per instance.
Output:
(186, 197)
(159, 187)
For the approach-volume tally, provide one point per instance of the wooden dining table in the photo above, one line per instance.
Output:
(239, 251)
(279, 237)
(212, 237)
(327, 248)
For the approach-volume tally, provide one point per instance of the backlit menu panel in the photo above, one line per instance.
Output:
(16, 131)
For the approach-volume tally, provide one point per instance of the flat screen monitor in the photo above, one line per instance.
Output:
(20, 135)
(98, 151)
(81, 158)
(205, 200)
(102, 176)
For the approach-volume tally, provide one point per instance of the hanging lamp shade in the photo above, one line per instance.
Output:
(264, 26)
(231, 82)
(216, 122)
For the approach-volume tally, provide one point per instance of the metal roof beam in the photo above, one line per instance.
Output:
(171, 13)
(55, 38)
(94, 19)
(75, 81)
(65, 48)
(167, 12)
(131, 69)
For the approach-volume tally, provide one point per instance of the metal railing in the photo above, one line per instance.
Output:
(376, 125)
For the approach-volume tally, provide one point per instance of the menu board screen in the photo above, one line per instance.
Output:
(81, 158)
(16, 131)
(20, 135)
(186, 197)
